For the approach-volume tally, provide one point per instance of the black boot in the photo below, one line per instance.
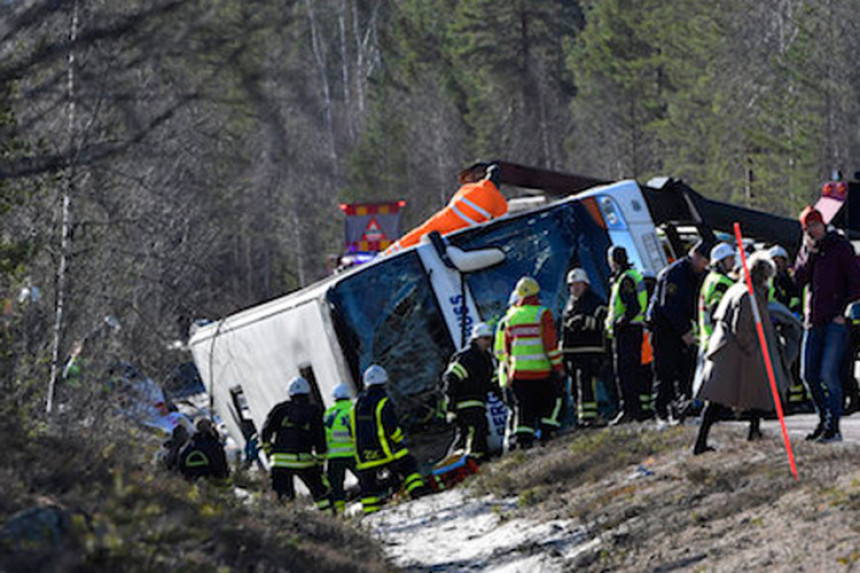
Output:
(755, 427)
(710, 415)
(817, 432)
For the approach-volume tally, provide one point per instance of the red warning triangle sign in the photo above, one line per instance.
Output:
(372, 232)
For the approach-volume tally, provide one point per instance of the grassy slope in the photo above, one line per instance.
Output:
(735, 509)
(123, 515)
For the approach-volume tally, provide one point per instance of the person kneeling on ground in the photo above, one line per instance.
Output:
(734, 373)
(203, 455)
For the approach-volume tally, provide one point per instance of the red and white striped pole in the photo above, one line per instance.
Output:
(765, 352)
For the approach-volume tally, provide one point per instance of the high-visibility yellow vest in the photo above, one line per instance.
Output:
(337, 432)
(617, 308)
(527, 350)
(709, 295)
(499, 350)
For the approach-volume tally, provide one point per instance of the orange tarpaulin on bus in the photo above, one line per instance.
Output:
(473, 203)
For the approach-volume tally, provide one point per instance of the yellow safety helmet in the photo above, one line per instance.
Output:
(527, 286)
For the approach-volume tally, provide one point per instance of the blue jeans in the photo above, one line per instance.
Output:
(823, 350)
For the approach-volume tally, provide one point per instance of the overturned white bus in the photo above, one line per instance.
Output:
(409, 312)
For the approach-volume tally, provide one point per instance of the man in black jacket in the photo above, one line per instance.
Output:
(294, 437)
(203, 455)
(672, 313)
(582, 344)
(467, 381)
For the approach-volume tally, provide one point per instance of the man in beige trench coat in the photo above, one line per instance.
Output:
(734, 374)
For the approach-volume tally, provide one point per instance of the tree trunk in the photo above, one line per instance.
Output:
(66, 239)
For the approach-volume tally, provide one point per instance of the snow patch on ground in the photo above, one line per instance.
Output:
(453, 531)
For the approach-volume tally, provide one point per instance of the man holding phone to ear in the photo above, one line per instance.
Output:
(827, 264)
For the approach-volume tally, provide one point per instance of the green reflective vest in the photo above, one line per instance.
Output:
(527, 352)
(337, 432)
(713, 288)
(617, 308)
(499, 349)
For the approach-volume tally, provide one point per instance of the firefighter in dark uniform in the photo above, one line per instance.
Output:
(582, 344)
(671, 318)
(467, 381)
(625, 320)
(534, 365)
(203, 455)
(785, 290)
(294, 438)
(380, 443)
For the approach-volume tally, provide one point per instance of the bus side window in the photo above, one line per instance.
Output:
(240, 406)
(306, 371)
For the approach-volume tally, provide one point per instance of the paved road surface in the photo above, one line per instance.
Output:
(801, 424)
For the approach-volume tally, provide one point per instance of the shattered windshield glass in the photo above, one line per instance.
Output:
(387, 314)
(544, 245)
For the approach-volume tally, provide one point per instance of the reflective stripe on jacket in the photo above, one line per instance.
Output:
(379, 440)
(531, 342)
(468, 378)
(295, 461)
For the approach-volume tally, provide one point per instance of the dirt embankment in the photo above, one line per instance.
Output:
(646, 503)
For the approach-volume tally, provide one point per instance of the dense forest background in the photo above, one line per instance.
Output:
(197, 149)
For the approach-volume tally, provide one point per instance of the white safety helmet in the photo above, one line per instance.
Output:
(375, 375)
(298, 386)
(778, 251)
(721, 251)
(341, 392)
(578, 275)
(481, 329)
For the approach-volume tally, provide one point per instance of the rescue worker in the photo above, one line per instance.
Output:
(172, 447)
(294, 438)
(380, 443)
(671, 319)
(625, 321)
(203, 455)
(534, 365)
(715, 285)
(784, 290)
(474, 203)
(341, 447)
(502, 364)
(582, 344)
(467, 381)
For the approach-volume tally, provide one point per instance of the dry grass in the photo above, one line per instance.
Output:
(655, 507)
(121, 514)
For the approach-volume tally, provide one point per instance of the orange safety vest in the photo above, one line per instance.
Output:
(472, 204)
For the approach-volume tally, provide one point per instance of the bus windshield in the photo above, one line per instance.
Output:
(543, 245)
(387, 314)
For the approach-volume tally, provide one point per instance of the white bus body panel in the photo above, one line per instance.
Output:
(629, 224)
(262, 348)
